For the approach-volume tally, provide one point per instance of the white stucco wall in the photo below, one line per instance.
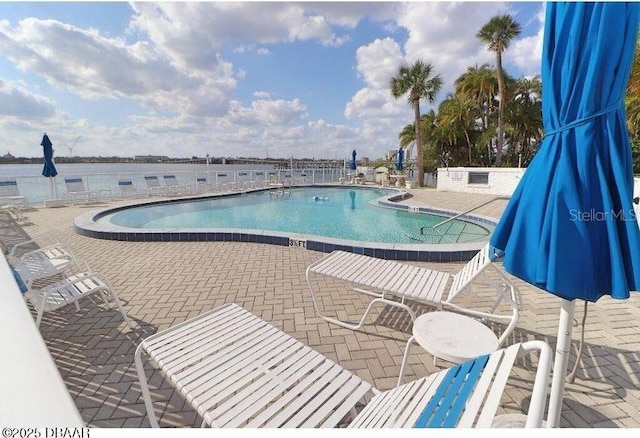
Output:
(502, 180)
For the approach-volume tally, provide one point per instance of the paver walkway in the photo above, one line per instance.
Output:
(163, 284)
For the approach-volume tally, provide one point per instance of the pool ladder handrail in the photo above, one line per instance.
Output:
(433, 227)
(280, 187)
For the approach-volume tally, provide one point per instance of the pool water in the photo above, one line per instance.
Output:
(344, 213)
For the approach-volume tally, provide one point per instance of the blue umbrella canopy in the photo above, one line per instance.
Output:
(353, 160)
(399, 165)
(569, 227)
(49, 168)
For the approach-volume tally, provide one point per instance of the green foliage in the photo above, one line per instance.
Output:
(417, 82)
(635, 154)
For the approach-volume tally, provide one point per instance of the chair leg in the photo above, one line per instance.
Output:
(121, 309)
(40, 313)
(404, 359)
(144, 388)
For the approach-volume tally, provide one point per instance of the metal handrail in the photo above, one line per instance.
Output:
(497, 198)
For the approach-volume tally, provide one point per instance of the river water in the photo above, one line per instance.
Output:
(104, 176)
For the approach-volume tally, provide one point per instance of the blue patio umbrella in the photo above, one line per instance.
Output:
(49, 169)
(353, 164)
(570, 227)
(399, 165)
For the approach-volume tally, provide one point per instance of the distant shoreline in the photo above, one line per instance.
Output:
(277, 162)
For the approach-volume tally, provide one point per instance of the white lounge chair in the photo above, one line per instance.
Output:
(236, 370)
(76, 189)
(385, 279)
(13, 211)
(10, 195)
(36, 261)
(443, 333)
(259, 181)
(203, 185)
(153, 185)
(81, 283)
(172, 187)
(127, 189)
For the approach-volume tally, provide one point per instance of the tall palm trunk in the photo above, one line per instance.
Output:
(419, 145)
(501, 102)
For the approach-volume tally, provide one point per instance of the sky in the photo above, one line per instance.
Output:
(233, 79)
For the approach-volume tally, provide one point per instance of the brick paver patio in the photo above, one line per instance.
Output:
(162, 284)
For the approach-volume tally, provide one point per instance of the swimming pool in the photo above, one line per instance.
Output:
(316, 217)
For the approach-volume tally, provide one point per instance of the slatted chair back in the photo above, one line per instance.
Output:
(125, 183)
(152, 181)
(170, 180)
(8, 187)
(469, 272)
(75, 185)
(126, 187)
(203, 185)
(504, 289)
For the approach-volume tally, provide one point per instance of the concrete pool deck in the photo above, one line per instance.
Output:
(164, 283)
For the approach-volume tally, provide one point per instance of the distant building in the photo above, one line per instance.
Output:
(151, 158)
(393, 153)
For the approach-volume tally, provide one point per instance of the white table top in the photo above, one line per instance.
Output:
(453, 337)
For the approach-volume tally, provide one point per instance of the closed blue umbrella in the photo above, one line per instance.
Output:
(399, 165)
(570, 227)
(353, 160)
(49, 169)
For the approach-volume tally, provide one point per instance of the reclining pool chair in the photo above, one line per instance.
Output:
(82, 282)
(9, 194)
(34, 262)
(385, 279)
(126, 187)
(236, 370)
(203, 186)
(153, 185)
(440, 328)
(77, 189)
(172, 187)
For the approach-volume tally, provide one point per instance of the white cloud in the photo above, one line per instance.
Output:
(94, 67)
(444, 34)
(441, 33)
(17, 102)
(526, 53)
(378, 62)
(172, 62)
(267, 112)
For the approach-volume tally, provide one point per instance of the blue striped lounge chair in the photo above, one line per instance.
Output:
(236, 370)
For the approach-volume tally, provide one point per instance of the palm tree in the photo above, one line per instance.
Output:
(497, 34)
(462, 113)
(480, 85)
(632, 98)
(427, 126)
(524, 118)
(417, 82)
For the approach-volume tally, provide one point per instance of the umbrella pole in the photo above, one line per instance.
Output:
(563, 348)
